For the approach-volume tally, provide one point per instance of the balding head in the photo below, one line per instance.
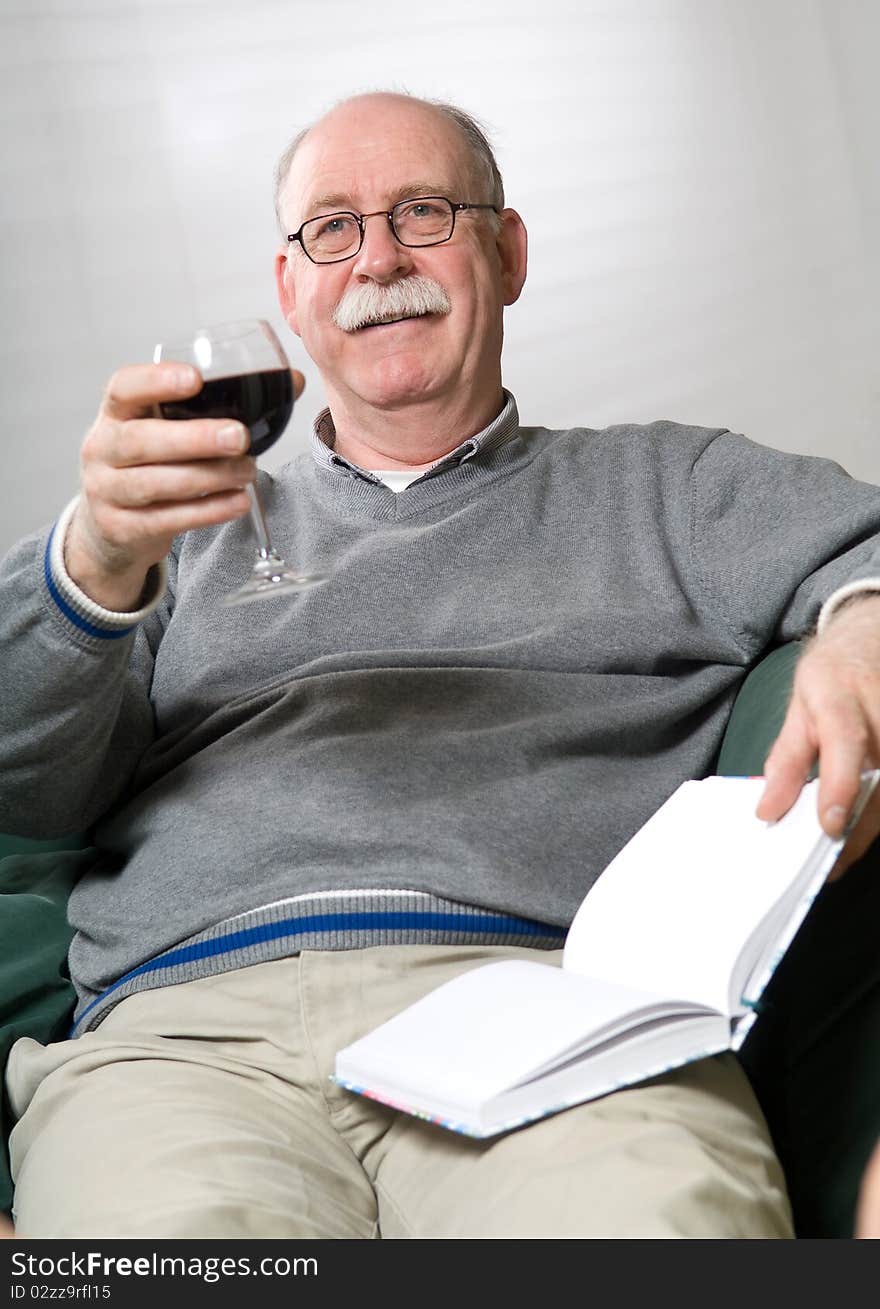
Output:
(477, 154)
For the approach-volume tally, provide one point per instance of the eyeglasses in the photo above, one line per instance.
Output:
(423, 220)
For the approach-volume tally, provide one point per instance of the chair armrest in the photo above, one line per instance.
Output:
(36, 995)
(758, 713)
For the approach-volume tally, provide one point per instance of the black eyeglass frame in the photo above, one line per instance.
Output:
(455, 206)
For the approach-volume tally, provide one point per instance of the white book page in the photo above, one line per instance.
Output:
(486, 1030)
(673, 909)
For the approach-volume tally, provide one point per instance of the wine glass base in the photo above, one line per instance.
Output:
(271, 579)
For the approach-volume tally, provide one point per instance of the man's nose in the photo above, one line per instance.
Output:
(381, 256)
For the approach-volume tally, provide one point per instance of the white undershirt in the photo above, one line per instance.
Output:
(398, 479)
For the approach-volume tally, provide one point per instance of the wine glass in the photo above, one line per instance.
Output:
(247, 377)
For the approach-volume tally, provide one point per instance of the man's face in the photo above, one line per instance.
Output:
(365, 156)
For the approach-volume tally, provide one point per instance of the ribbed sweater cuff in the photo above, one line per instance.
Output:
(864, 586)
(79, 608)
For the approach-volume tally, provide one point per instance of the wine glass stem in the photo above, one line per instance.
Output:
(261, 531)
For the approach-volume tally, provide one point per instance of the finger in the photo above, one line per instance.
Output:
(133, 391)
(151, 484)
(135, 526)
(863, 836)
(299, 383)
(788, 764)
(844, 741)
(169, 441)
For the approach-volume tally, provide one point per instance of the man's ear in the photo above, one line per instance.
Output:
(513, 250)
(286, 290)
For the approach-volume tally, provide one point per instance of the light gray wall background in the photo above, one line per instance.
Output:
(700, 180)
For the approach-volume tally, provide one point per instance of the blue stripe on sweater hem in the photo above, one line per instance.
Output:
(362, 922)
(107, 634)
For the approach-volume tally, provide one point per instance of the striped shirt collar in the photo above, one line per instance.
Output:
(502, 429)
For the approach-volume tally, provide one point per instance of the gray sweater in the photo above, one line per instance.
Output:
(516, 660)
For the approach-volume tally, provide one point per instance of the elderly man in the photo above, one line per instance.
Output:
(310, 815)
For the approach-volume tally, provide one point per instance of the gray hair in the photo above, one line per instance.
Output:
(483, 160)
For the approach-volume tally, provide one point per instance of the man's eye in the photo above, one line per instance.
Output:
(421, 209)
(333, 226)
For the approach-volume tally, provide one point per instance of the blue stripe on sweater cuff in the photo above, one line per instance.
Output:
(70, 614)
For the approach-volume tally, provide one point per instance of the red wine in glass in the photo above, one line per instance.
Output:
(263, 401)
(246, 377)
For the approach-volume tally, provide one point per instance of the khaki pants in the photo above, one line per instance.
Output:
(205, 1110)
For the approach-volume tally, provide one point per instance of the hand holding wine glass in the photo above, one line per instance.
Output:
(145, 480)
(246, 377)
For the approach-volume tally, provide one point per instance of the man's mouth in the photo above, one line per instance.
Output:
(388, 322)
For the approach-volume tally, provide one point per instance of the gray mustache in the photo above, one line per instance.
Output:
(371, 303)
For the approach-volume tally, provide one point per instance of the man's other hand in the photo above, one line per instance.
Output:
(145, 479)
(834, 714)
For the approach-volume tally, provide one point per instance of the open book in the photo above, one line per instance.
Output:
(663, 964)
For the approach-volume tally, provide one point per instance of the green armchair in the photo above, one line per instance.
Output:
(811, 1058)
